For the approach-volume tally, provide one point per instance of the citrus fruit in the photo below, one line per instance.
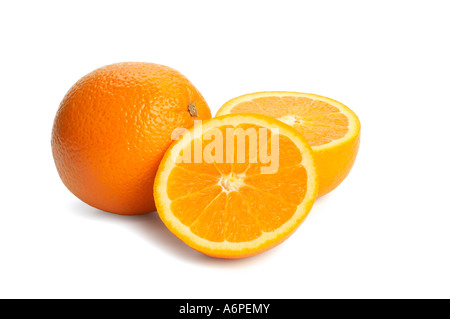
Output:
(331, 128)
(113, 127)
(226, 187)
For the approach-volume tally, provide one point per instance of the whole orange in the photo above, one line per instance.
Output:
(113, 128)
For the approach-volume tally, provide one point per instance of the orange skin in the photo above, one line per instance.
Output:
(112, 130)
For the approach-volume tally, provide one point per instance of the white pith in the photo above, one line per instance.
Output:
(232, 182)
(291, 119)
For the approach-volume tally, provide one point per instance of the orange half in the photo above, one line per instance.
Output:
(245, 194)
(330, 127)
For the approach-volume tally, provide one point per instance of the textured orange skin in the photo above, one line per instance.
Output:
(334, 164)
(112, 130)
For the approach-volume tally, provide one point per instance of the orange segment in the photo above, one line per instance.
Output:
(288, 184)
(189, 159)
(292, 155)
(297, 104)
(188, 208)
(259, 205)
(182, 182)
(243, 223)
(271, 105)
(331, 128)
(214, 143)
(320, 134)
(251, 157)
(238, 208)
(246, 107)
(211, 223)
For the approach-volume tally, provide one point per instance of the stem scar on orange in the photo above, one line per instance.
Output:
(113, 128)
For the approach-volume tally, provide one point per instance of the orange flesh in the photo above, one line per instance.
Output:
(318, 121)
(234, 202)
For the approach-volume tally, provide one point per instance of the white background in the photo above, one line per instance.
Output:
(384, 233)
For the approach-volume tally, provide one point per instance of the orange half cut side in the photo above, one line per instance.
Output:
(245, 194)
(330, 127)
